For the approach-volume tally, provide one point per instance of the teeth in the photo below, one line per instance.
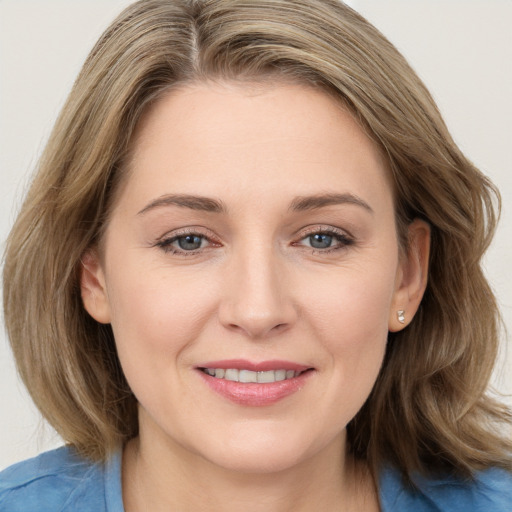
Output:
(266, 376)
(280, 374)
(246, 376)
(232, 374)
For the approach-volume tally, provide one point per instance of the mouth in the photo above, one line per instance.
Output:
(248, 376)
(254, 384)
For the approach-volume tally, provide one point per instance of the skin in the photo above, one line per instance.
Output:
(256, 289)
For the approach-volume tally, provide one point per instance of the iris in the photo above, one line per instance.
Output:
(190, 242)
(320, 241)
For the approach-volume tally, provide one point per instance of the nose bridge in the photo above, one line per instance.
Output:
(256, 299)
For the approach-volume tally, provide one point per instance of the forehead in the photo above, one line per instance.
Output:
(214, 138)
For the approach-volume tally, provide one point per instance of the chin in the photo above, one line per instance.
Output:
(257, 463)
(261, 453)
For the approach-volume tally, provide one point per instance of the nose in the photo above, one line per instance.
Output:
(256, 300)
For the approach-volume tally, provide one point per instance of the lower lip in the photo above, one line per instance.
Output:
(253, 394)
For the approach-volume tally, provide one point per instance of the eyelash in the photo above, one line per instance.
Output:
(343, 240)
(166, 243)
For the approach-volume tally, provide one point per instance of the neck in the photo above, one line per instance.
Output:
(160, 477)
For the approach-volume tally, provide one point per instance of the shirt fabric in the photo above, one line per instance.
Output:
(60, 481)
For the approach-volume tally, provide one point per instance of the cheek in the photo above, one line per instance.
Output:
(349, 313)
(155, 317)
(354, 335)
(352, 306)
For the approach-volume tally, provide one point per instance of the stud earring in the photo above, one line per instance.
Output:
(401, 316)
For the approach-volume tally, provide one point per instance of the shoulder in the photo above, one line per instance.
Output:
(488, 490)
(53, 481)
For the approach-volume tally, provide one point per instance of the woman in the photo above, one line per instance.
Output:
(248, 274)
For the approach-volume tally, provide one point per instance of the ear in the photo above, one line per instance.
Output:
(412, 276)
(92, 287)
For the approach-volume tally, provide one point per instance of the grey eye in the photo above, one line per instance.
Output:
(320, 241)
(190, 242)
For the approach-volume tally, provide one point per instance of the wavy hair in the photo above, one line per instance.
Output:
(429, 410)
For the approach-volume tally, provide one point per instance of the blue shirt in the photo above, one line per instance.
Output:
(59, 481)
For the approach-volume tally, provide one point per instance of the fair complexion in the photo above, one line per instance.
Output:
(254, 230)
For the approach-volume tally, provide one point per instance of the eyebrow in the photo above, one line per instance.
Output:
(314, 202)
(299, 204)
(199, 203)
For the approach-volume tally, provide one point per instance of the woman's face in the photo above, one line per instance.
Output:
(253, 239)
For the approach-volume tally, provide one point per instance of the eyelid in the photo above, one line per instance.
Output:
(323, 229)
(343, 236)
(165, 241)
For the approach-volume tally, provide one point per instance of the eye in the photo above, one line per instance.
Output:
(185, 243)
(320, 240)
(190, 242)
(326, 240)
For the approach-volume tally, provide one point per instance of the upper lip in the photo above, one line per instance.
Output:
(260, 366)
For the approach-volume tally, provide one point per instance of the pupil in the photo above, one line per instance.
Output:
(189, 242)
(320, 241)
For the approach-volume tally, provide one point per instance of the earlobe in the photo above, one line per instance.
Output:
(412, 276)
(92, 287)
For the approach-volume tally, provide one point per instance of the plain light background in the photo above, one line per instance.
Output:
(461, 48)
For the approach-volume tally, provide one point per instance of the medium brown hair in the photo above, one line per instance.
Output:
(428, 410)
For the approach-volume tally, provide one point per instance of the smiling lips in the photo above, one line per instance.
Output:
(246, 376)
(254, 384)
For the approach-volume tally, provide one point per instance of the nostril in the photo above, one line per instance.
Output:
(258, 329)
(257, 314)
